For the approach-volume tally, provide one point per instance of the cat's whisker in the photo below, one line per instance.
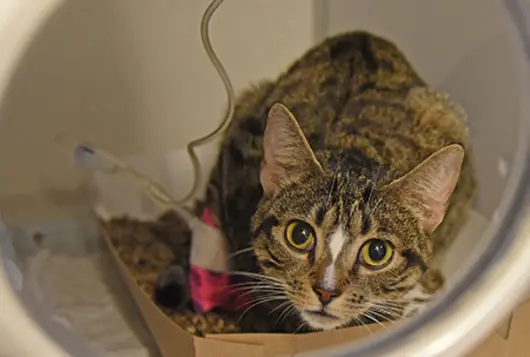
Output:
(280, 306)
(392, 313)
(259, 302)
(367, 309)
(386, 303)
(380, 310)
(239, 252)
(260, 286)
(301, 326)
(372, 318)
(285, 306)
(269, 297)
(257, 288)
(394, 301)
(262, 291)
(390, 317)
(359, 322)
(286, 312)
(266, 292)
(254, 275)
(400, 303)
(257, 283)
(397, 311)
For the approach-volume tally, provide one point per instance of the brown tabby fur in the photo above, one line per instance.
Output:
(370, 119)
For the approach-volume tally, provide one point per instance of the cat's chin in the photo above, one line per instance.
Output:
(322, 322)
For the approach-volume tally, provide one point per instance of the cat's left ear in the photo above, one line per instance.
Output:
(286, 152)
(427, 188)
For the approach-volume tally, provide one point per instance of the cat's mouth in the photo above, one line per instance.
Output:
(321, 313)
(322, 319)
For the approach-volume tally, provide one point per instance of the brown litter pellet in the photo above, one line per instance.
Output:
(147, 248)
(38, 237)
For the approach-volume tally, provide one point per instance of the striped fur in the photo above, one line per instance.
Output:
(369, 119)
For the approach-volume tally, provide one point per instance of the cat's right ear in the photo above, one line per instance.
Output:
(427, 188)
(286, 152)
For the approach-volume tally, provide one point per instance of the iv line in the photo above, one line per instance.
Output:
(205, 36)
(156, 192)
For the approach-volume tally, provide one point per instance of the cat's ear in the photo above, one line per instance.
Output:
(286, 152)
(428, 187)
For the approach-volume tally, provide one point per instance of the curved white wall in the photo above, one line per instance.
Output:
(467, 48)
(130, 76)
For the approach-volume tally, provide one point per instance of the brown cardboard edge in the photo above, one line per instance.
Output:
(503, 330)
(171, 339)
(218, 348)
(160, 326)
(288, 344)
(515, 344)
(518, 344)
(272, 344)
(505, 327)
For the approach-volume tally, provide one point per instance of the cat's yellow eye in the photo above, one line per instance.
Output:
(376, 253)
(300, 235)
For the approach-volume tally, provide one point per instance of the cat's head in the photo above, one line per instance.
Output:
(335, 244)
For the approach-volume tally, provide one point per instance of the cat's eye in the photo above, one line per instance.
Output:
(376, 253)
(300, 235)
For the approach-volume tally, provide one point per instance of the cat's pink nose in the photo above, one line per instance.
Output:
(325, 296)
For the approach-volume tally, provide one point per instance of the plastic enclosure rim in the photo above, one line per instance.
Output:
(20, 20)
(451, 328)
(497, 282)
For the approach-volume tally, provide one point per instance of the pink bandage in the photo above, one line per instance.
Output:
(211, 290)
(208, 218)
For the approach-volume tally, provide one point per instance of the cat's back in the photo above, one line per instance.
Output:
(355, 92)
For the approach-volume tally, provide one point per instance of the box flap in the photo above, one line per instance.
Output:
(211, 347)
(493, 346)
(508, 340)
(274, 345)
(325, 339)
(503, 330)
(289, 344)
(172, 341)
(518, 345)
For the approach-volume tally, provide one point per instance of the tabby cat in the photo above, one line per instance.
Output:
(346, 176)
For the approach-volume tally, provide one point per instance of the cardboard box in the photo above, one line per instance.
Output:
(508, 340)
(118, 194)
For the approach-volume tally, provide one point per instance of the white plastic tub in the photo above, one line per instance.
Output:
(131, 76)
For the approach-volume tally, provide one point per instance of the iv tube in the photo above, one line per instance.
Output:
(205, 36)
(156, 192)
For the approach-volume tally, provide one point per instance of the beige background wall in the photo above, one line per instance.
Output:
(467, 48)
(130, 76)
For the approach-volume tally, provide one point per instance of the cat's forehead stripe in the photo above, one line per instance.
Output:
(336, 242)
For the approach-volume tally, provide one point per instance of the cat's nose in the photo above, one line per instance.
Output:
(325, 296)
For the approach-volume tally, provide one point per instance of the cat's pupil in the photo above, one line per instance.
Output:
(301, 233)
(377, 250)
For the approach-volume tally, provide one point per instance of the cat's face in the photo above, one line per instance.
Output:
(334, 244)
